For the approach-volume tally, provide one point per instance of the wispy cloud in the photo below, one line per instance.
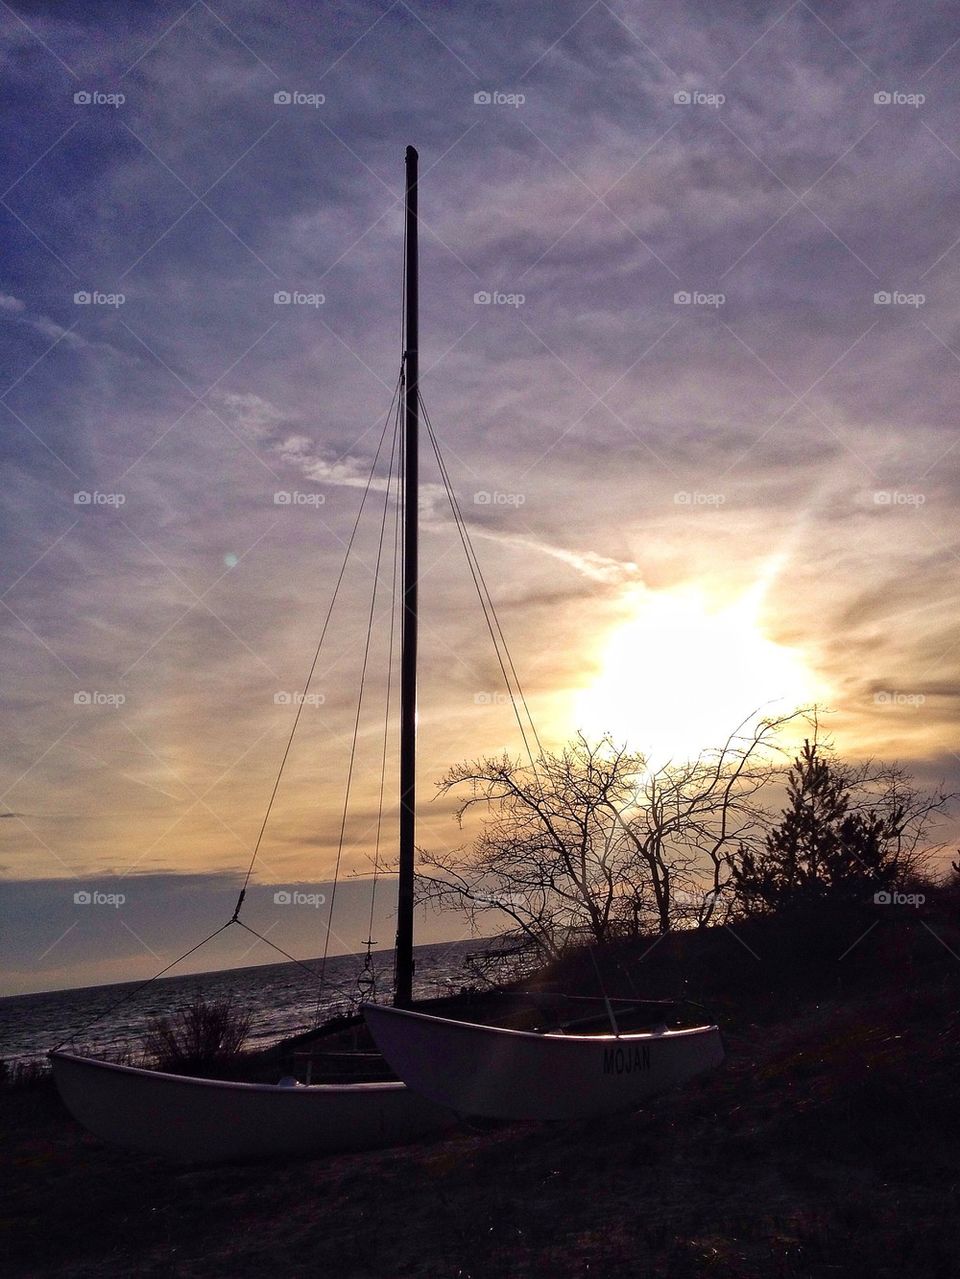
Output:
(679, 336)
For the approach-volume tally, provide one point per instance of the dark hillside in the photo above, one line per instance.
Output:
(828, 1145)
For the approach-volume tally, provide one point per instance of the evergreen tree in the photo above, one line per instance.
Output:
(822, 849)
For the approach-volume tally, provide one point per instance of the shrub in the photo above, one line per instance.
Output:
(202, 1037)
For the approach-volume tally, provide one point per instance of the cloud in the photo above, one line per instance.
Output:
(653, 441)
(42, 323)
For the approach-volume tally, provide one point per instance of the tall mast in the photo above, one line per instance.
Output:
(408, 657)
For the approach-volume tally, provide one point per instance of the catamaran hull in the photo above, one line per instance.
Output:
(208, 1120)
(510, 1074)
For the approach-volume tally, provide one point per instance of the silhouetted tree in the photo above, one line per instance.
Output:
(845, 834)
(591, 842)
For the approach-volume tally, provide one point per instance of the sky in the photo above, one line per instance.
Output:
(690, 341)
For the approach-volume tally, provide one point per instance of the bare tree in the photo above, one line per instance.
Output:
(551, 854)
(691, 817)
(591, 841)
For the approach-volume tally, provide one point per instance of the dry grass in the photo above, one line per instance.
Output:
(204, 1037)
(828, 1145)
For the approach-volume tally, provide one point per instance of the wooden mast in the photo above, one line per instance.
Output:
(408, 658)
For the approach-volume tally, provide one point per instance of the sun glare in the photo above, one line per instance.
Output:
(678, 676)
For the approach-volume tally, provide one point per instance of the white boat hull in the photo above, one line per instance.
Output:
(210, 1120)
(511, 1074)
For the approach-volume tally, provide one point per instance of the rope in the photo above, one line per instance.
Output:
(474, 564)
(279, 949)
(235, 918)
(367, 985)
(603, 991)
(356, 722)
(486, 602)
(316, 656)
(143, 985)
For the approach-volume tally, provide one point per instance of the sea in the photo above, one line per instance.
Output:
(282, 999)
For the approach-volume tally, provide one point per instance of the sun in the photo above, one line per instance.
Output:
(678, 676)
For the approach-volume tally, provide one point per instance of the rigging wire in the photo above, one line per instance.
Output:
(356, 722)
(316, 656)
(143, 985)
(235, 918)
(505, 659)
(370, 985)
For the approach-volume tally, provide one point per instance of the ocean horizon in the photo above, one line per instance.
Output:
(282, 999)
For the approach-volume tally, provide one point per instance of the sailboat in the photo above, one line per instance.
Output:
(445, 1067)
(211, 1120)
(499, 1073)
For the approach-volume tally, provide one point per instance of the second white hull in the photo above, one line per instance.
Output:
(512, 1074)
